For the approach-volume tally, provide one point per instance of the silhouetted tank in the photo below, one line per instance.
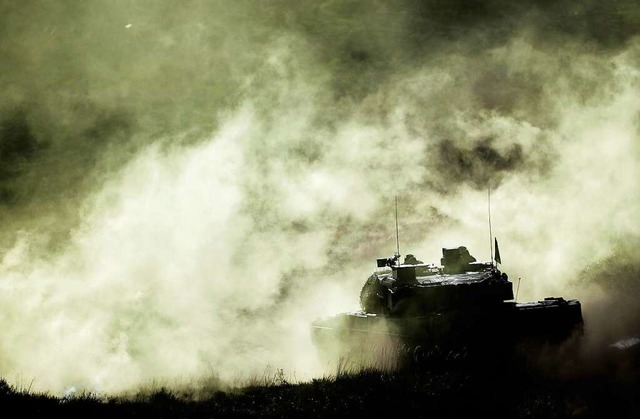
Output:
(460, 302)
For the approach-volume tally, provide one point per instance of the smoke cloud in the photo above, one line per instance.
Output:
(185, 187)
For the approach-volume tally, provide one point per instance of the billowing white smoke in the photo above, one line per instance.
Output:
(214, 257)
(552, 227)
(171, 277)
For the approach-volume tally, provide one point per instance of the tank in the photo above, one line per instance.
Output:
(458, 303)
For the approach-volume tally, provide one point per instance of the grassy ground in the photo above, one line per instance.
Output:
(428, 388)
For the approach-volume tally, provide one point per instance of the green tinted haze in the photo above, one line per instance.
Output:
(185, 186)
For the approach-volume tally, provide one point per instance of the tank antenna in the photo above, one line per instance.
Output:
(490, 233)
(397, 233)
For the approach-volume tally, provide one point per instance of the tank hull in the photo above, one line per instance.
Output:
(484, 329)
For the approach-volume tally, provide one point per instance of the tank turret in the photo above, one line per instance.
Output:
(459, 283)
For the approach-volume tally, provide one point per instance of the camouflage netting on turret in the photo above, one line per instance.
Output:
(372, 296)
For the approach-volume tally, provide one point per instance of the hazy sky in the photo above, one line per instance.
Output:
(185, 186)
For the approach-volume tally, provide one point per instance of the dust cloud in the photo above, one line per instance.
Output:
(185, 187)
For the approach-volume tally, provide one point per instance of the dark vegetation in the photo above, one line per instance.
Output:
(447, 385)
